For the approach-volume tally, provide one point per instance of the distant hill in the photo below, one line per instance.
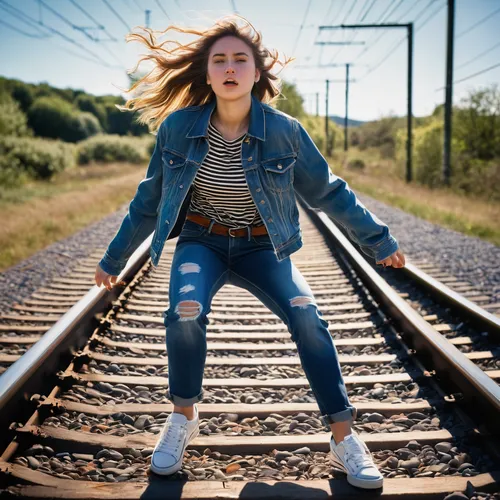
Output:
(339, 120)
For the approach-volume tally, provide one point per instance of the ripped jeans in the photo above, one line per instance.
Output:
(202, 263)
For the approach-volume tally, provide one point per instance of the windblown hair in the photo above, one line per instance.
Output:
(178, 78)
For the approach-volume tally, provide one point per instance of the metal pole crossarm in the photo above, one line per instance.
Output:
(319, 79)
(333, 65)
(388, 25)
(339, 43)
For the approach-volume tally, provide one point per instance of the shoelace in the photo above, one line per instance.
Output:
(356, 454)
(172, 436)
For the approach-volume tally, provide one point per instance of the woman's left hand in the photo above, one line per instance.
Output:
(397, 259)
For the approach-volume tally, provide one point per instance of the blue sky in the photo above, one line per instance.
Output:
(33, 53)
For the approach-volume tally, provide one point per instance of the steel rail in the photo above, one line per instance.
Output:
(455, 371)
(474, 313)
(29, 373)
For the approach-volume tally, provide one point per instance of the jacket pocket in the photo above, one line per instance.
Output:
(279, 172)
(172, 163)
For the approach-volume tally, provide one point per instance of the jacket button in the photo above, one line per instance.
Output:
(181, 186)
(270, 219)
(258, 190)
(250, 159)
(171, 161)
(247, 140)
(262, 202)
(280, 166)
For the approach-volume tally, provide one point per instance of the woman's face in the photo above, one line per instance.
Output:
(230, 57)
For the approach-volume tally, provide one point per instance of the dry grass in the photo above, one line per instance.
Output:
(42, 213)
(475, 217)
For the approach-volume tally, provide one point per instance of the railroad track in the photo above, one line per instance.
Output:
(85, 403)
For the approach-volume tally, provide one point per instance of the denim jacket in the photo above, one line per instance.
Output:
(280, 161)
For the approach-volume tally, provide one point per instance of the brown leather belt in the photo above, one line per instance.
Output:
(225, 230)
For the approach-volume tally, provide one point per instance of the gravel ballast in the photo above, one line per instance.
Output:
(463, 256)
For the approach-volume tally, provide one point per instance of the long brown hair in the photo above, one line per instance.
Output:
(179, 77)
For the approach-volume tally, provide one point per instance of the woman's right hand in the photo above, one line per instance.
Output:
(103, 278)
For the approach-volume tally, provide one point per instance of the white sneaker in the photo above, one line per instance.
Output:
(174, 438)
(352, 456)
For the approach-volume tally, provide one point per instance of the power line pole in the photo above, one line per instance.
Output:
(317, 103)
(448, 105)
(409, 117)
(346, 105)
(409, 28)
(327, 144)
(148, 13)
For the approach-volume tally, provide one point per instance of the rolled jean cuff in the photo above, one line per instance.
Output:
(349, 414)
(178, 401)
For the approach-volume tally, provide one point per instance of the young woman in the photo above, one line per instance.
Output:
(225, 172)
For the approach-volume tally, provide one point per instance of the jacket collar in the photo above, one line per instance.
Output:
(256, 127)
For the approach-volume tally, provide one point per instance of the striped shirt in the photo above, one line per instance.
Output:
(220, 189)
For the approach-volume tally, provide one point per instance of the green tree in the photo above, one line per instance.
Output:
(476, 123)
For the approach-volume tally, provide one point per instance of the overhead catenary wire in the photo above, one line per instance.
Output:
(476, 57)
(331, 22)
(162, 9)
(22, 17)
(116, 14)
(301, 26)
(126, 2)
(485, 70)
(370, 44)
(400, 42)
(78, 6)
(384, 32)
(62, 35)
(49, 39)
(361, 18)
(19, 30)
(429, 18)
(478, 23)
(138, 5)
(99, 25)
(346, 2)
(367, 11)
(353, 35)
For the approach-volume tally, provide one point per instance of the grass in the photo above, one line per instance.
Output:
(40, 213)
(468, 215)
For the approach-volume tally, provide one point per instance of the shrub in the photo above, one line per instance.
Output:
(38, 158)
(88, 124)
(428, 154)
(11, 172)
(55, 118)
(123, 122)
(12, 120)
(315, 127)
(112, 148)
(89, 104)
(377, 133)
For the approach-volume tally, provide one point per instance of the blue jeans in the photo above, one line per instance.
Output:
(202, 263)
